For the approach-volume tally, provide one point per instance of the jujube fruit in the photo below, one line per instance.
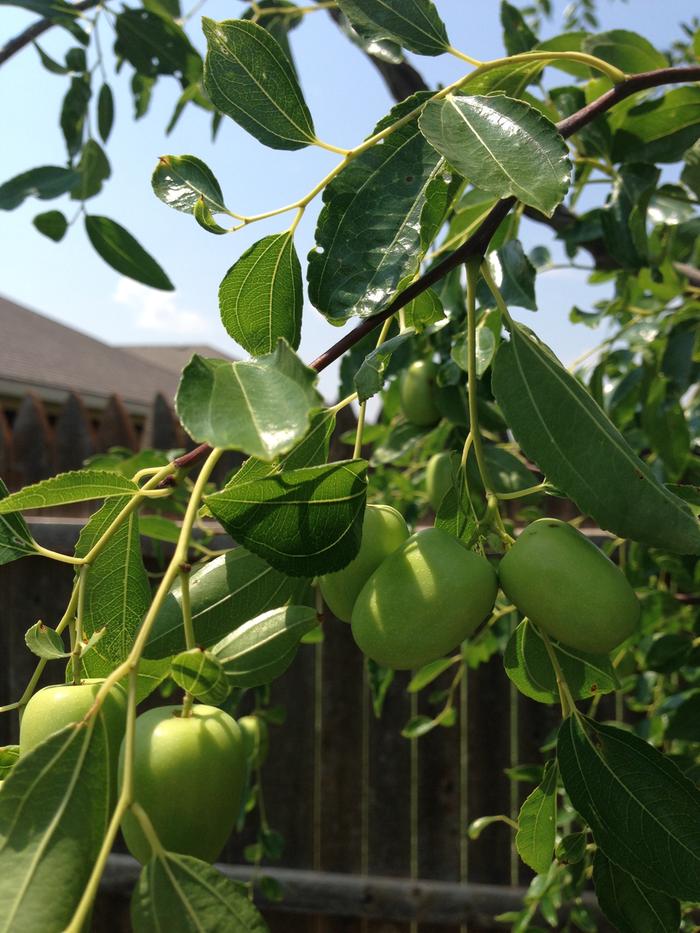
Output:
(417, 393)
(438, 478)
(189, 776)
(423, 601)
(564, 584)
(383, 530)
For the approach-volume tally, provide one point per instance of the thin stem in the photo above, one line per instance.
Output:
(77, 627)
(330, 148)
(521, 493)
(615, 74)
(56, 555)
(496, 292)
(462, 56)
(472, 280)
(189, 629)
(343, 403)
(357, 452)
(148, 829)
(568, 706)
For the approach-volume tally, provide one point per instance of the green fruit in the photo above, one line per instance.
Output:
(383, 530)
(568, 587)
(54, 707)
(438, 478)
(256, 739)
(417, 393)
(189, 776)
(423, 601)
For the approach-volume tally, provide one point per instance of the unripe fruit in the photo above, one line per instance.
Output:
(54, 707)
(256, 739)
(417, 393)
(423, 601)
(565, 585)
(189, 776)
(438, 478)
(383, 530)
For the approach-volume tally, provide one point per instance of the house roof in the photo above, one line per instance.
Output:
(41, 355)
(173, 358)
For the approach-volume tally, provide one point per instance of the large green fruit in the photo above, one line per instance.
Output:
(383, 530)
(424, 599)
(52, 708)
(438, 478)
(189, 776)
(417, 393)
(569, 588)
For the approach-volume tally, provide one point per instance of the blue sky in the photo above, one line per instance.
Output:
(70, 283)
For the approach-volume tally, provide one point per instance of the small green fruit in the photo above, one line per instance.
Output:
(564, 584)
(256, 739)
(189, 776)
(54, 707)
(383, 530)
(417, 393)
(438, 478)
(423, 601)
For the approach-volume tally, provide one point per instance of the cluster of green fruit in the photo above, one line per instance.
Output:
(190, 772)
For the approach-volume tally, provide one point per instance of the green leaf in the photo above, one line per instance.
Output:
(201, 674)
(15, 538)
(558, 425)
(54, 809)
(427, 674)
(514, 275)
(684, 722)
(9, 755)
(117, 590)
(77, 486)
(105, 112)
(423, 311)
(517, 35)
(249, 78)
(571, 849)
(414, 24)
(661, 129)
(566, 42)
(624, 217)
(123, 253)
(180, 181)
(261, 297)
(205, 218)
(45, 182)
(379, 217)
(156, 45)
(150, 676)
(94, 168)
(76, 60)
(636, 802)
(626, 50)
(52, 224)
(224, 593)
(180, 894)
(630, 905)
(665, 425)
(537, 823)
(369, 378)
(527, 663)
(49, 63)
(74, 113)
(418, 726)
(159, 528)
(690, 176)
(261, 406)
(279, 24)
(263, 648)
(502, 146)
(45, 642)
(456, 513)
(302, 522)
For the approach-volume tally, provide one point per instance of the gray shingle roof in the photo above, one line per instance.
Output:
(173, 358)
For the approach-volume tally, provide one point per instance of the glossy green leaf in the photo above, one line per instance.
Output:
(105, 112)
(636, 802)
(537, 823)
(94, 168)
(514, 275)
(77, 486)
(423, 311)
(74, 113)
(45, 642)
(224, 593)
(249, 78)
(156, 45)
(123, 253)
(180, 181)
(560, 427)
(414, 24)
(261, 406)
(660, 129)
(690, 176)
(624, 217)
(630, 905)
(263, 648)
(456, 513)
(427, 674)
(571, 849)
(159, 528)
(517, 35)
(200, 674)
(45, 182)
(180, 894)
(15, 538)
(52, 224)
(527, 663)
(9, 755)
(278, 23)
(626, 50)
(502, 146)
(205, 218)
(380, 215)
(303, 522)
(117, 589)
(369, 378)
(54, 809)
(261, 297)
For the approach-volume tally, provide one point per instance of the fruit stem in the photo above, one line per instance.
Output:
(76, 628)
(189, 628)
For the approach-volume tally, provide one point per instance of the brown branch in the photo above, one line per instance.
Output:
(31, 33)
(477, 244)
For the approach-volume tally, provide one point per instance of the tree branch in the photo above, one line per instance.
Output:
(31, 33)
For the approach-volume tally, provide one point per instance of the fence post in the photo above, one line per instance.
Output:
(34, 453)
(75, 438)
(116, 428)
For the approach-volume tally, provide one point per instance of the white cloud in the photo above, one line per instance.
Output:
(157, 311)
